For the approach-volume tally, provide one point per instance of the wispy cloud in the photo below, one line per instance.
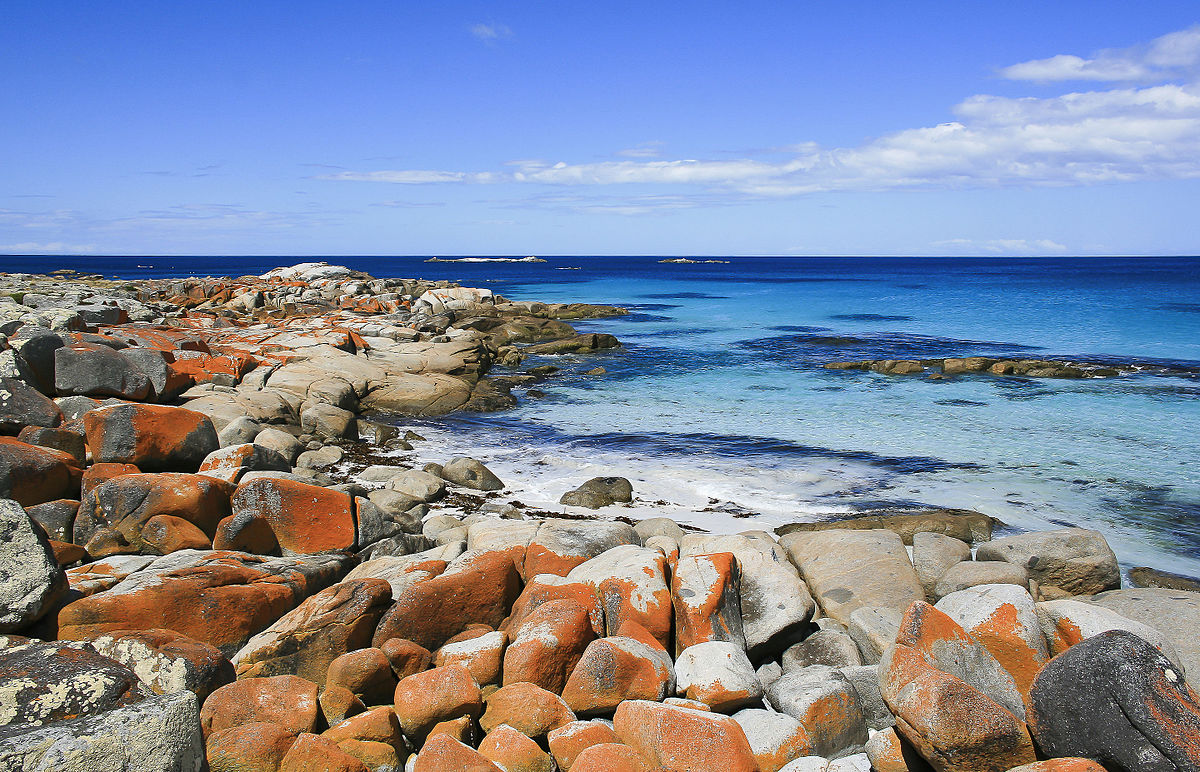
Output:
(408, 204)
(46, 248)
(1176, 54)
(1134, 133)
(491, 32)
(644, 150)
(1001, 246)
(625, 205)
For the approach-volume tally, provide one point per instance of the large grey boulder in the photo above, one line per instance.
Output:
(419, 485)
(826, 703)
(874, 629)
(157, 734)
(45, 682)
(325, 420)
(849, 570)
(239, 431)
(865, 679)
(470, 473)
(775, 602)
(277, 440)
(933, 554)
(599, 492)
(832, 648)
(22, 405)
(36, 346)
(164, 380)
(1116, 698)
(99, 371)
(31, 580)
(1068, 561)
(972, 573)
(719, 674)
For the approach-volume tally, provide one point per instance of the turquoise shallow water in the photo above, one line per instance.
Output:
(718, 400)
(718, 409)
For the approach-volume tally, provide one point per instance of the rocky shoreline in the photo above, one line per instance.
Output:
(213, 558)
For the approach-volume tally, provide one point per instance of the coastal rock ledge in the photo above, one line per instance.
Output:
(192, 578)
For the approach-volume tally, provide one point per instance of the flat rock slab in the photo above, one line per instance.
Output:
(960, 524)
(849, 570)
(218, 597)
(1174, 613)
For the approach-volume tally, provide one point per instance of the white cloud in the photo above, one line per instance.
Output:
(1172, 55)
(1001, 246)
(489, 32)
(1126, 134)
(644, 150)
(46, 248)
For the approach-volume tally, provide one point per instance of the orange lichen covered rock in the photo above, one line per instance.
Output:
(681, 740)
(946, 646)
(952, 725)
(560, 545)
(482, 654)
(613, 757)
(311, 752)
(704, 589)
(1060, 765)
(220, 598)
(339, 703)
(254, 747)
(570, 740)
(246, 535)
(100, 473)
(374, 737)
(287, 701)
(889, 753)
(306, 640)
(775, 738)
(31, 474)
(365, 672)
(405, 657)
(632, 585)
(443, 753)
(548, 645)
(165, 534)
(461, 729)
(305, 519)
(1004, 619)
(478, 588)
(514, 752)
(443, 693)
(114, 516)
(526, 707)
(547, 587)
(619, 668)
(156, 438)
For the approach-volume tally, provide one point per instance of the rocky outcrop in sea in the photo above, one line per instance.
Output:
(214, 558)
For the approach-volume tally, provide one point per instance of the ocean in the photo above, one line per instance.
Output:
(717, 407)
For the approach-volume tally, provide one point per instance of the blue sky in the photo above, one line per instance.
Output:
(612, 128)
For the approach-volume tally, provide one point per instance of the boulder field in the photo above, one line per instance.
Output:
(189, 580)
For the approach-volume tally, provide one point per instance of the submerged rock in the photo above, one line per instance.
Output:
(599, 492)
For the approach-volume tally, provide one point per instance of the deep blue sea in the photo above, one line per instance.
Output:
(719, 411)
